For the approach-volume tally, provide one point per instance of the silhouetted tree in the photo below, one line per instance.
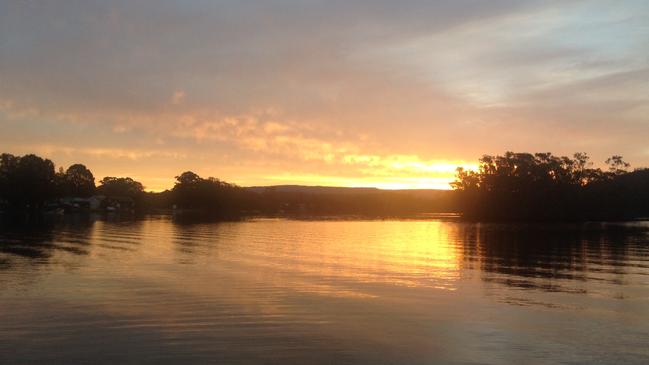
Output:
(544, 186)
(8, 164)
(79, 181)
(26, 181)
(209, 195)
(120, 187)
(617, 166)
(520, 186)
(187, 178)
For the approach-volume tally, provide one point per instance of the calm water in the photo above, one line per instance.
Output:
(324, 292)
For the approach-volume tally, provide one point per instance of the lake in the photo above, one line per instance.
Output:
(278, 291)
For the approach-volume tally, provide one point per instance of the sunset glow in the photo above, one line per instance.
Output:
(324, 182)
(274, 93)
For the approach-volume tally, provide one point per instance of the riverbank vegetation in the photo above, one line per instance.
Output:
(512, 186)
(542, 186)
(32, 184)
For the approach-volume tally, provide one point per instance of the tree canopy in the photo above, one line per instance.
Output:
(26, 181)
(521, 186)
(210, 194)
(539, 186)
(78, 181)
(120, 187)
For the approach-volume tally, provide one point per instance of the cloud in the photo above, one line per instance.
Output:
(247, 90)
(178, 97)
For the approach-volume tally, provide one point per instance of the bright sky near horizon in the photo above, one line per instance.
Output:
(347, 93)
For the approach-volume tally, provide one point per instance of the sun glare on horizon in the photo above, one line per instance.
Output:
(405, 174)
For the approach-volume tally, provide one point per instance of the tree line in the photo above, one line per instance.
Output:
(31, 183)
(512, 186)
(542, 186)
(28, 182)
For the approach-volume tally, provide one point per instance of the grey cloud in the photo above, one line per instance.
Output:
(389, 77)
(132, 55)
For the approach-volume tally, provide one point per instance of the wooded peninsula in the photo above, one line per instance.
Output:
(512, 186)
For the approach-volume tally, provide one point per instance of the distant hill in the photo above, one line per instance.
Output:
(318, 200)
(310, 189)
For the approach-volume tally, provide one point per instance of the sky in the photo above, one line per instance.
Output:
(391, 94)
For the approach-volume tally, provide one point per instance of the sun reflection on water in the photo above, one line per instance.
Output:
(327, 258)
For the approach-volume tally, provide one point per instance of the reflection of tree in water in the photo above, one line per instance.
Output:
(193, 238)
(554, 257)
(38, 238)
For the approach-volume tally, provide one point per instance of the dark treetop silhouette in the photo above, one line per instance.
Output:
(30, 183)
(541, 186)
(514, 186)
